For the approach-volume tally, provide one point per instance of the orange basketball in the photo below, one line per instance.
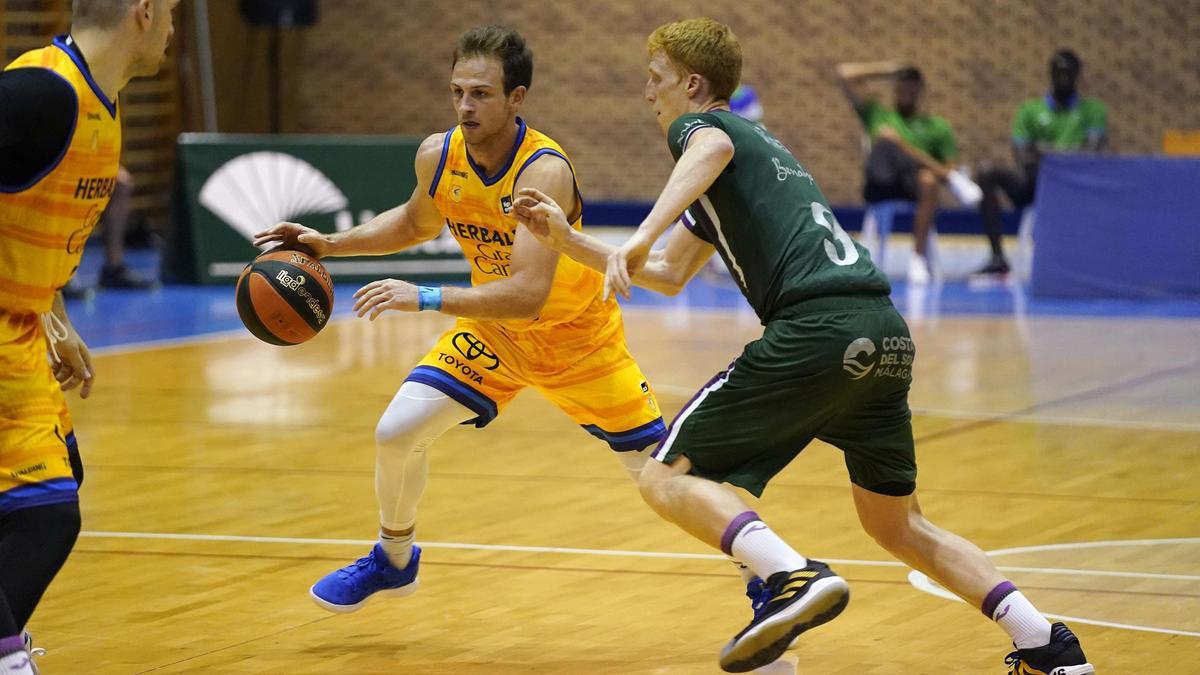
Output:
(284, 297)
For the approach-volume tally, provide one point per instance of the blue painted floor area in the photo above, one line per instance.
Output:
(111, 317)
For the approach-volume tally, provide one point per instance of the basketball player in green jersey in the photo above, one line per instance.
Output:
(834, 363)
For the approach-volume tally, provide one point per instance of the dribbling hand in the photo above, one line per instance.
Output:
(295, 236)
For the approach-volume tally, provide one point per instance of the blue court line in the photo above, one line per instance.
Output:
(121, 317)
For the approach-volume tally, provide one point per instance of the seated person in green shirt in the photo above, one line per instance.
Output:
(911, 151)
(1060, 120)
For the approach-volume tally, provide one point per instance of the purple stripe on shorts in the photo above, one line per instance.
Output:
(698, 394)
(731, 532)
(11, 644)
(992, 601)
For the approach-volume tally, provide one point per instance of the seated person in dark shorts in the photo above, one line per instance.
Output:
(1060, 120)
(911, 151)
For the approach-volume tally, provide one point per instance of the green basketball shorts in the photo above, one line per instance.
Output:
(837, 369)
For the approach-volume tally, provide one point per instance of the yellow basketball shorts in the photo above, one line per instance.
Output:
(37, 439)
(594, 381)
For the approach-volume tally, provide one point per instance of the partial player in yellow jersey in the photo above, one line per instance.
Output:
(529, 319)
(60, 141)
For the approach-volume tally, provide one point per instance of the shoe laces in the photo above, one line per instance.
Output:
(1012, 661)
(360, 565)
(757, 591)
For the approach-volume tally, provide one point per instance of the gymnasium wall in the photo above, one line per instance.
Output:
(382, 66)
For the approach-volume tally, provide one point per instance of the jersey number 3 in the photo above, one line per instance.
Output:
(825, 219)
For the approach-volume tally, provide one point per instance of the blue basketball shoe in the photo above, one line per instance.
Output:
(347, 589)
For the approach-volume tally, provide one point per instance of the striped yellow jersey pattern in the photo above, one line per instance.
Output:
(477, 209)
(44, 225)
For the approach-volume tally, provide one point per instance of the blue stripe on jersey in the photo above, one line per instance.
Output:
(633, 439)
(459, 391)
(62, 43)
(539, 153)
(437, 175)
(574, 179)
(512, 157)
(53, 491)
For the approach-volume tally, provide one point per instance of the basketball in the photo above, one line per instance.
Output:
(284, 297)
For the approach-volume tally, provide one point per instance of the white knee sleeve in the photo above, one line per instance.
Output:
(633, 461)
(415, 418)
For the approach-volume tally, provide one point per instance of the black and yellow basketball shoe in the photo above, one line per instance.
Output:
(1063, 656)
(799, 600)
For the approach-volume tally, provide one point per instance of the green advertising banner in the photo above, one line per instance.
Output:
(229, 186)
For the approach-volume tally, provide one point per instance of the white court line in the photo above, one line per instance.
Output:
(923, 583)
(917, 579)
(677, 390)
(447, 545)
(638, 554)
(1075, 545)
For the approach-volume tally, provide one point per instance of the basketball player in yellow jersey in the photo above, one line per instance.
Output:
(60, 140)
(529, 319)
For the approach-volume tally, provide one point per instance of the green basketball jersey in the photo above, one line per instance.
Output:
(770, 223)
(1043, 122)
(929, 133)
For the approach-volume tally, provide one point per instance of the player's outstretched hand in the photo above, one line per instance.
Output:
(297, 237)
(74, 364)
(624, 264)
(543, 217)
(379, 296)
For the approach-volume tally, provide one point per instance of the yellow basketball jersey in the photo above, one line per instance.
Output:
(477, 209)
(44, 225)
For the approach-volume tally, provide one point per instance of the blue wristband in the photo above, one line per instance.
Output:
(429, 297)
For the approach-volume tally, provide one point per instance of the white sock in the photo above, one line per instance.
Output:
(746, 573)
(1021, 620)
(759, 548)
(398, 548)
(16, 663)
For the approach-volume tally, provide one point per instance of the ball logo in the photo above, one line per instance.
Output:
(288, 281)
(296, 283)
(853, 364)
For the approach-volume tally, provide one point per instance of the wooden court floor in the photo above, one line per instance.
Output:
(224, 476)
